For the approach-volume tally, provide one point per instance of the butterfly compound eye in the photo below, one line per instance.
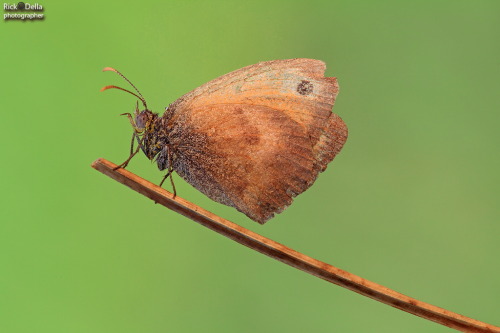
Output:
(142, 118)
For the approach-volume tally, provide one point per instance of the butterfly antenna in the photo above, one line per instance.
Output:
(106, 69)
(115, 87)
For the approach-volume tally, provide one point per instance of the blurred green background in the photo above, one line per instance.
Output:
(410, 203)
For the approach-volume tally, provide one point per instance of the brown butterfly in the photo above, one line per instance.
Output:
(252, 139)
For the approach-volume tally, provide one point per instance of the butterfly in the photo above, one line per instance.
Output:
(252, 139)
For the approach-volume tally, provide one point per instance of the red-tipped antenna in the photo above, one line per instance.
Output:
(106, 69)
(115, 87)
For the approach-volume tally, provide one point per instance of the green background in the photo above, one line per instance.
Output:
(410, 203)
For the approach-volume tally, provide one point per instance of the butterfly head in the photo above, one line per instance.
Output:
(142, 119)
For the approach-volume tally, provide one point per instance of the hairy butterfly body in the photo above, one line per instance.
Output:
(252, 139)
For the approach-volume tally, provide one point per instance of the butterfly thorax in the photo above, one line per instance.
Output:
(151, 135)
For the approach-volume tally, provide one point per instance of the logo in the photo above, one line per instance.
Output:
(23, 11)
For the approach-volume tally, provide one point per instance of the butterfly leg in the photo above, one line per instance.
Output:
(132, 143)
(132, 152)
(164, 178)
(169, 172)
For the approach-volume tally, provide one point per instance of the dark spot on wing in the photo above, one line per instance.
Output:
(305, 87)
